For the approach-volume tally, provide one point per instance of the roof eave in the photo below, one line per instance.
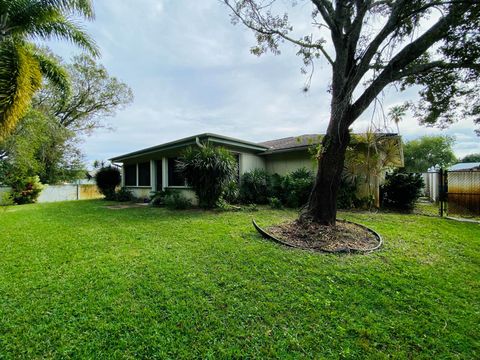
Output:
(191, 140)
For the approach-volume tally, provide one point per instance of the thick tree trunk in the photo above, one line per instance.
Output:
(322, 205)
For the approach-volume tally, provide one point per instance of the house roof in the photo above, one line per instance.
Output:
(465, 166)
(292, 143)
(191, 140)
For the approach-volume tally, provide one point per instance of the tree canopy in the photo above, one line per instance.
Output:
(369, 45)
(471, 158)
(423, 153)
(22, 64)
(45, 141)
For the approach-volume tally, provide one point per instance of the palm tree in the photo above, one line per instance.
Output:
(22, 64)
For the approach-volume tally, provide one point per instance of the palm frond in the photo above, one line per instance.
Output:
(20, 77)
(54, 72)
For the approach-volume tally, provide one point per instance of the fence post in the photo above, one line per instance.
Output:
(443, 191)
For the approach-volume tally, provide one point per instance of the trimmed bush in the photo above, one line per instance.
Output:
(123, 195)
(107, 179)
(292, 190)
(296, 188)
(175, 200)
(208, 169)
(401, 190)
(26, 191)
(255, 187)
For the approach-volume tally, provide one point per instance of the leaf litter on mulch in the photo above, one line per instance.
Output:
(343, 236)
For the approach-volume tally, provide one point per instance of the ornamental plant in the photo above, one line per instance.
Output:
(26, 190)
(208, 170)
(107, 179)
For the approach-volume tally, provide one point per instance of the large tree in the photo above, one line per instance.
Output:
(45, 141)
(22, 64)
(370, 44)
(95, 96)
(427, 151)
(471, 158)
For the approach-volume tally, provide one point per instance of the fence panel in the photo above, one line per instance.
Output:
(464, 193)
(66, 192)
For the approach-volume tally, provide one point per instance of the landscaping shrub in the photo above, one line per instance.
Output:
(401, 190)
(123, 195)
(26, 191)
(6, 199)
(296, 187)
(107, 179)
(292, 190)
(275, 203)
(347, 198)
(175, 200)
(231, 194)
(255, 187)
(157, 199)
(208, 169)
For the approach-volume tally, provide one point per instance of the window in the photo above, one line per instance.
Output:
(144, 174)
(130, 175)
(175, 178)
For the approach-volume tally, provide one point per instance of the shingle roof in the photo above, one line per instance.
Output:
(293, 142)
(302, 141)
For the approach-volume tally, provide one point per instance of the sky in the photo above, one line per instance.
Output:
(192, 72)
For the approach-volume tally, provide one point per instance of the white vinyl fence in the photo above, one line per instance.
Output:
(54, 193)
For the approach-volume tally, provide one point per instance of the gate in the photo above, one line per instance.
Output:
(459, 193)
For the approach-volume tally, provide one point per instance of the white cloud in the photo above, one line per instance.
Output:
(191, 72)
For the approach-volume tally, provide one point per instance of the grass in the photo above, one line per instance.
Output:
(78, 280)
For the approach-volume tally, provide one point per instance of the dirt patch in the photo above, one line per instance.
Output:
(343, 237)
(125, 206)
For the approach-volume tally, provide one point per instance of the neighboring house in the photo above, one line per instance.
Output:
(153, 169)
(472, 166)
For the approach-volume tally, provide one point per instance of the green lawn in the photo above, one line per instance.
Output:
(78, 280)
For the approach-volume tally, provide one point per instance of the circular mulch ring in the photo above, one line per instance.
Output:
(345, 237)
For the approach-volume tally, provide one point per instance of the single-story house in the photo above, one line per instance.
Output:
(154, 168)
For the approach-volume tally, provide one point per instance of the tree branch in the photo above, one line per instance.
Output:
(265, 29)
(393, 70)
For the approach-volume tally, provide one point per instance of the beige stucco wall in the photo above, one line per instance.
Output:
(287, 162)
(140, 192)
(249, 162)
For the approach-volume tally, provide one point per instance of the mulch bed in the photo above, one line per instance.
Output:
(343, 237)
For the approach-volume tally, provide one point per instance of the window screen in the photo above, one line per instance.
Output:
(144, 174)
(175, 178)
(130, 175)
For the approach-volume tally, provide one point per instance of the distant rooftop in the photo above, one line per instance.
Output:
(465, 166)
(301, 141)
(293, 142)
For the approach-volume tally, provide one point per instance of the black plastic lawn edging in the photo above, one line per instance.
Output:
(269, 236)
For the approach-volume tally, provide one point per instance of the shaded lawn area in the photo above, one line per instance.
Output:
(78, 280)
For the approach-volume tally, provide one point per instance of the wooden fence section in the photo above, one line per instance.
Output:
(464, 192)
